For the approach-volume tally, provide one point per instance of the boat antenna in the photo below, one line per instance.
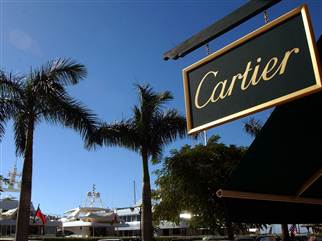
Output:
(92, 197)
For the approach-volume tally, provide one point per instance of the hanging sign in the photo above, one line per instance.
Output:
(272, 65)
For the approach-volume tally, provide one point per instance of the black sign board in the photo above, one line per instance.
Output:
(272, 65)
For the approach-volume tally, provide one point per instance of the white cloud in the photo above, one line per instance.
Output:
(23, 41)
(20, 39)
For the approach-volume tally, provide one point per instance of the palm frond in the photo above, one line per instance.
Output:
(11, 84)
(5, 114)
(166, 127)
(137, 115)
(151, 97)
(151, 101)
(3, 119)
(10, 93)
(63, 109)
(253, 127)
(149, 129)
(60, 71)
(20, 130)
(164, 97)
(121, 134)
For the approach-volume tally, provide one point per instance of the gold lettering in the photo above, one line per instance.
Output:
(198, 90)
(281, 68)
(269, 71)
(232, 84)
(286, 58)
(254, 76)
(248, 68)
(269, 68)
(221, 94)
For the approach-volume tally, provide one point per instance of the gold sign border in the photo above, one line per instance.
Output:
(303, 10)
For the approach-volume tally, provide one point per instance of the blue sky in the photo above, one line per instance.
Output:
(120, 43)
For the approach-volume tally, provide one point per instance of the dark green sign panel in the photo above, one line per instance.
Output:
(272, 65)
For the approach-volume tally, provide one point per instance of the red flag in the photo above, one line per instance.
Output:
(40, 215)
(114, 220)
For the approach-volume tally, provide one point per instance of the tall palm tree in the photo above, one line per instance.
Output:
(146, 133)
(41, 96)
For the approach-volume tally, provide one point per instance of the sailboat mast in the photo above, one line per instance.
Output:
(134, 192)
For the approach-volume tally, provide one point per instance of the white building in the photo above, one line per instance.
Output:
(9, 208)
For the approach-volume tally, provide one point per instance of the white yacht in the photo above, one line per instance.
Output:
(9, 207)
(130, 218)
(90, 220)
(130, 223)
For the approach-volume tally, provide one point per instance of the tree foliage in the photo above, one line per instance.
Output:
(147, 132)
(38, 96)
(150, 127)
(189, 179)
(253, 127)
(4, 180)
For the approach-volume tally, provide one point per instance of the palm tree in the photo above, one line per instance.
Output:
(41, 96)
(146, 133)
(253, 127)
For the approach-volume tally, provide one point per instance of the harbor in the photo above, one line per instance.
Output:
(92, 219)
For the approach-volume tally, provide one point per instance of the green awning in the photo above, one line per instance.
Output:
(280, 178)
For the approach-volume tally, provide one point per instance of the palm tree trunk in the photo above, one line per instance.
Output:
(146, 219)
(22, 224)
